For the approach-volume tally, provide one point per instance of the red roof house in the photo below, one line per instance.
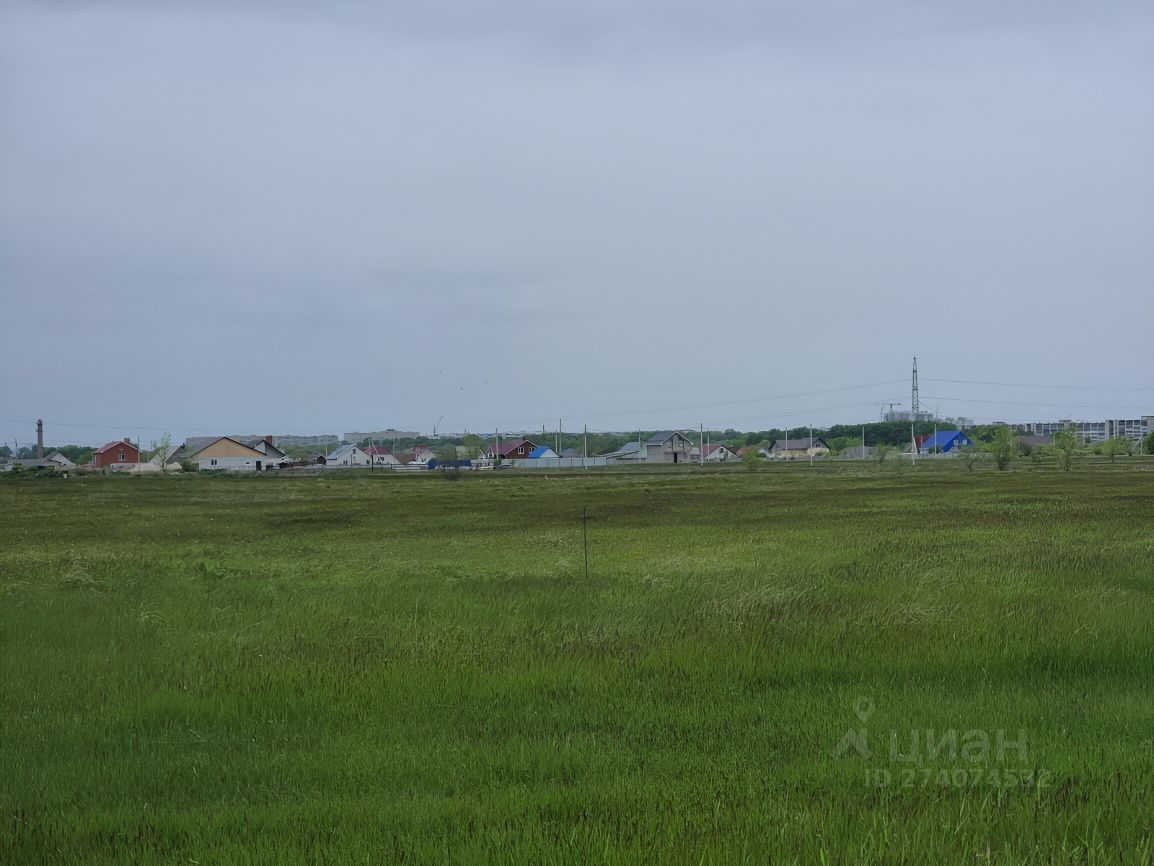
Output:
(510, 449)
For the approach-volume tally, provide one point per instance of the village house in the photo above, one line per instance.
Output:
(423, 454)
(715, 452)
(667, 446)
(349, 456)
(265, 445)
(115, 453)
(225, 452)
(510, 449)
(944, 442)
(798, 449)
(59, 461)
(630, 452)
(381, 456)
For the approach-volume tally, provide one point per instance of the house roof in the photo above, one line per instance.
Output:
(119, 443)
(542, 451)
(508, 446)
(798, 444)
(254, 441)
(714, 446)
(343, 451)
(193, 445)
(377, 451)
(942, 438)
(663, 436)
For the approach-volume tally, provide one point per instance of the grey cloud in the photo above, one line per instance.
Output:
(565, 210)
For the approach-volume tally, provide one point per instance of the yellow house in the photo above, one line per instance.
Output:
(798, 449)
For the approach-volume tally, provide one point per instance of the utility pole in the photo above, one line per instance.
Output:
(585, 453)
(558, 437)
(496, 446)
(701, 443)
(811, 445)
(863, 451)
(914, 443)
(915, 405)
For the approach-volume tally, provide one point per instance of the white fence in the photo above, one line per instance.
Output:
(558, 463)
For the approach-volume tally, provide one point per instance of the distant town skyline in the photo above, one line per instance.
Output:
(320, 218)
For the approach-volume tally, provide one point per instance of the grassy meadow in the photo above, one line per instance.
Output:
(380, 669)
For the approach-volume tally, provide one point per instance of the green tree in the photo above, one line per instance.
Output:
(1003, 447)
(1148, 443)
(1115, 446)
(475, 445)
(1065, 442)
(751, 458)
(970, 457)
(162, 452)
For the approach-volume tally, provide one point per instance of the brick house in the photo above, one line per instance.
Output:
(116, 452)
(510, 449)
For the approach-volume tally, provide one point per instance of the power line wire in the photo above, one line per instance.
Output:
(1044, 387)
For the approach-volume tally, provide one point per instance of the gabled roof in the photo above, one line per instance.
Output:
(713, 446)
(798, 444)
(663, 436)
(377, 451)
(508, 446)
(195, 444)
(119, 443)
(255, 441)
(942, 438)
(542, 451)
(343, 451)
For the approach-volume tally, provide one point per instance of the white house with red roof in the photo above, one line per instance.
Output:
(423, 454)
(715, 452)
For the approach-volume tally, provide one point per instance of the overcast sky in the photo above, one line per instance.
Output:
(271, 217)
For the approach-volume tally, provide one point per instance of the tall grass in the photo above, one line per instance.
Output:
(392, 669)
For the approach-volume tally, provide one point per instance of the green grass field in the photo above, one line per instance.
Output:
(377, 669)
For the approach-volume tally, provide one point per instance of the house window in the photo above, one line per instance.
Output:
(121, 456)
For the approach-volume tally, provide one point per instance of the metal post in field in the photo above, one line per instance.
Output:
(701, 444)
(585, 452)
(585, 539)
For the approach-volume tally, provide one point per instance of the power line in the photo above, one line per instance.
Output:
(1025, 385)
(1020, 403)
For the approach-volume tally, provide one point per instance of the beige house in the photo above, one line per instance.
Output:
(224, 452)
(798, 449)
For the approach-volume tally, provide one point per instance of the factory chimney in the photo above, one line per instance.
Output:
(39, 440)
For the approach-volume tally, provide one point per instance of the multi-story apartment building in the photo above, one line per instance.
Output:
(1094, 431)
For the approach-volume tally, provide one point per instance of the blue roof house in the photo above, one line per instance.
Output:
(542, 451)
(945, 441)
